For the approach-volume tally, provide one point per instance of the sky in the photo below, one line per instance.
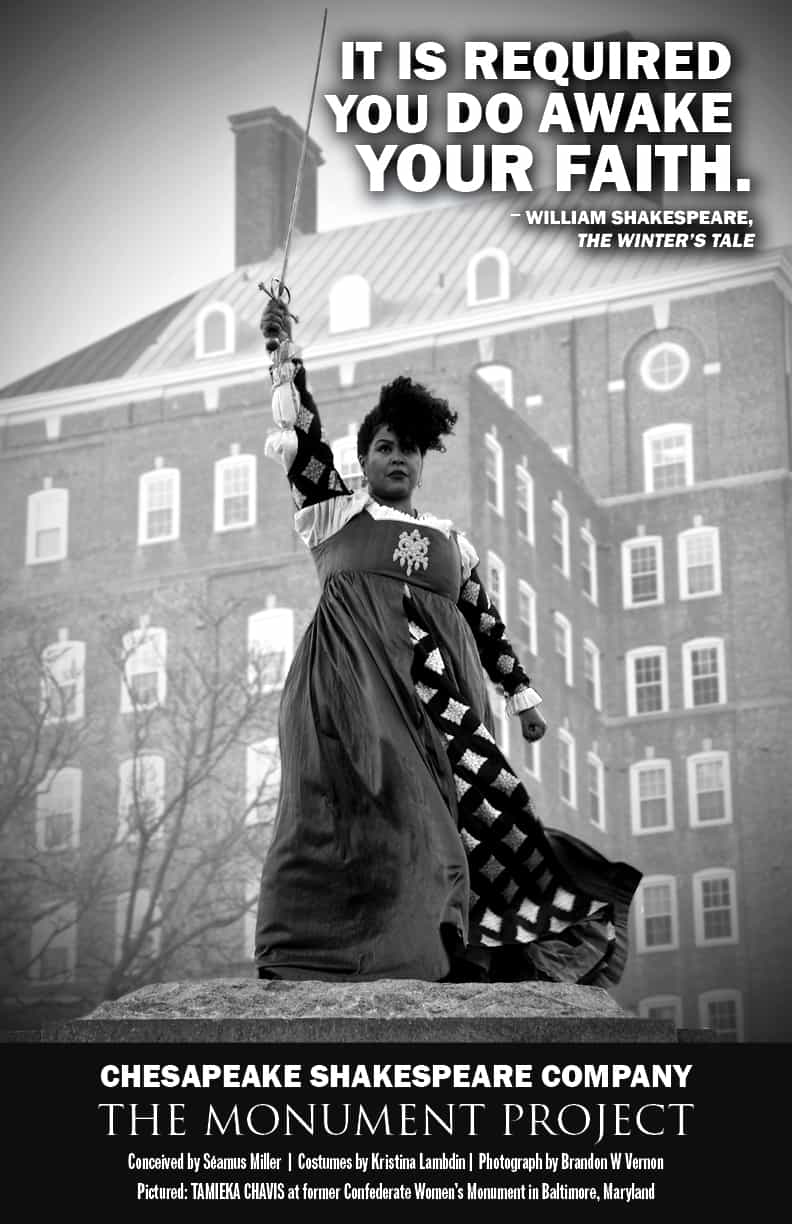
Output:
(116, 157)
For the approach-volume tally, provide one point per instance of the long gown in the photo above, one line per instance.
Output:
(404, 844)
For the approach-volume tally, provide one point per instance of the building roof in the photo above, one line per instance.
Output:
(416, 266)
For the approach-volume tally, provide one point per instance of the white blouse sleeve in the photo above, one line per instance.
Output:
(467, 552)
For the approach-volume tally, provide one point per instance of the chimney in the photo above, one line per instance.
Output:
(267, 150)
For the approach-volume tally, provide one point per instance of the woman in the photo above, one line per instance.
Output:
(404, 844)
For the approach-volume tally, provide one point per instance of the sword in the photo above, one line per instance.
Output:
(277, 288)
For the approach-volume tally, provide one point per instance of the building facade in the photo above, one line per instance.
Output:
(622, 465)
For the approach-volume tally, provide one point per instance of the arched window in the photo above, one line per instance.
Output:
(270, 647)
(47, 525)
(215, 330)
(350, 304)
(665, 366)
(488, 277)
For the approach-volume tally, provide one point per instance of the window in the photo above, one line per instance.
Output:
(560, 538)
(63, 680)
(721, 1011)
(699, 563)
(532, 758)
(501, 379)
(350, 304)
(715, 906)
(496, 583)
(651, 803)
(656, 914)
(703, 672)
(47, 526)
(498, 707)
(58, 805)
(665, 366)
(263, 780)
(647, 682)
(214, 330)
(158, 505)
(141, 798)
(345, 459)
(709, 788)
(642, 571)
(588, 565)
(567, 772)
(668, 458)
(487, 278)
(235, 492)
(527, 612)
(138, 927)
(525, 504)
(144, 680)
(493, 471)
(250, 919)
(53, 945)
(592, 673)
(563, 643)
(595, 775)
(270, 647)
(662, 1007)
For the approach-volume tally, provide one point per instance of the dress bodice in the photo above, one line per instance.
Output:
(422, 555)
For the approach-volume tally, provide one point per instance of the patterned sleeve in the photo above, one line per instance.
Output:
(495, 650)
(306, 456)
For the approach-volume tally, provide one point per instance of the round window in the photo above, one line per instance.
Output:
(665, 366)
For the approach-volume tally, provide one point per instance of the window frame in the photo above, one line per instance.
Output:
(141, 902)
(655, 881)
(593, 759)
(591, 650)
(228, 463)
(73, 775)
(721, 996)
(536, 754)
(688, 648)
(499, 377)
(201, 319)
(525, 481)
(349, 304)
(44, 934)
(127, 769)
(346, 460)
(656, 433)
(701, 758)
(144, 481)
(270, 792)
(647, 765)
(504, 277)
(630, 658)
(560, 513)
(525, 590)
(494, 449)
(274, 614)
(58, 501)
(562, 622)
(157, 637)
(627, 549)
(567, 738)
(664, 346)
(61, 651)
(684, 538)
(590, 550)
(699, 879)
(646, 1004)
(494, 562)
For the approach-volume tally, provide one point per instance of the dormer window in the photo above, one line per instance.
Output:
(488, 278)
(215, 330)
(350, 304)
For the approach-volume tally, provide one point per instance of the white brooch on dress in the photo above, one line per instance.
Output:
(412, 551)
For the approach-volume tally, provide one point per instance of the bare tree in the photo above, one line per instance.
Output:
(177, 757)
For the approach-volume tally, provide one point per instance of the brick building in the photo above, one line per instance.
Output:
(622, 463)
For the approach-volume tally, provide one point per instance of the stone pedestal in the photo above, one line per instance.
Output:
(245, 1010)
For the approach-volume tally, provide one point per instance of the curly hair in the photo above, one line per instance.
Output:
(417, 417)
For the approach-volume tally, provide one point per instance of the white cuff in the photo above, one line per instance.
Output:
(523, 699)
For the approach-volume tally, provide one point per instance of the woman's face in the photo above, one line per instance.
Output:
(392, 469)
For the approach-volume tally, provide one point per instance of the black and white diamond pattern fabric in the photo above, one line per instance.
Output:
(498, 658)
(519, 894)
